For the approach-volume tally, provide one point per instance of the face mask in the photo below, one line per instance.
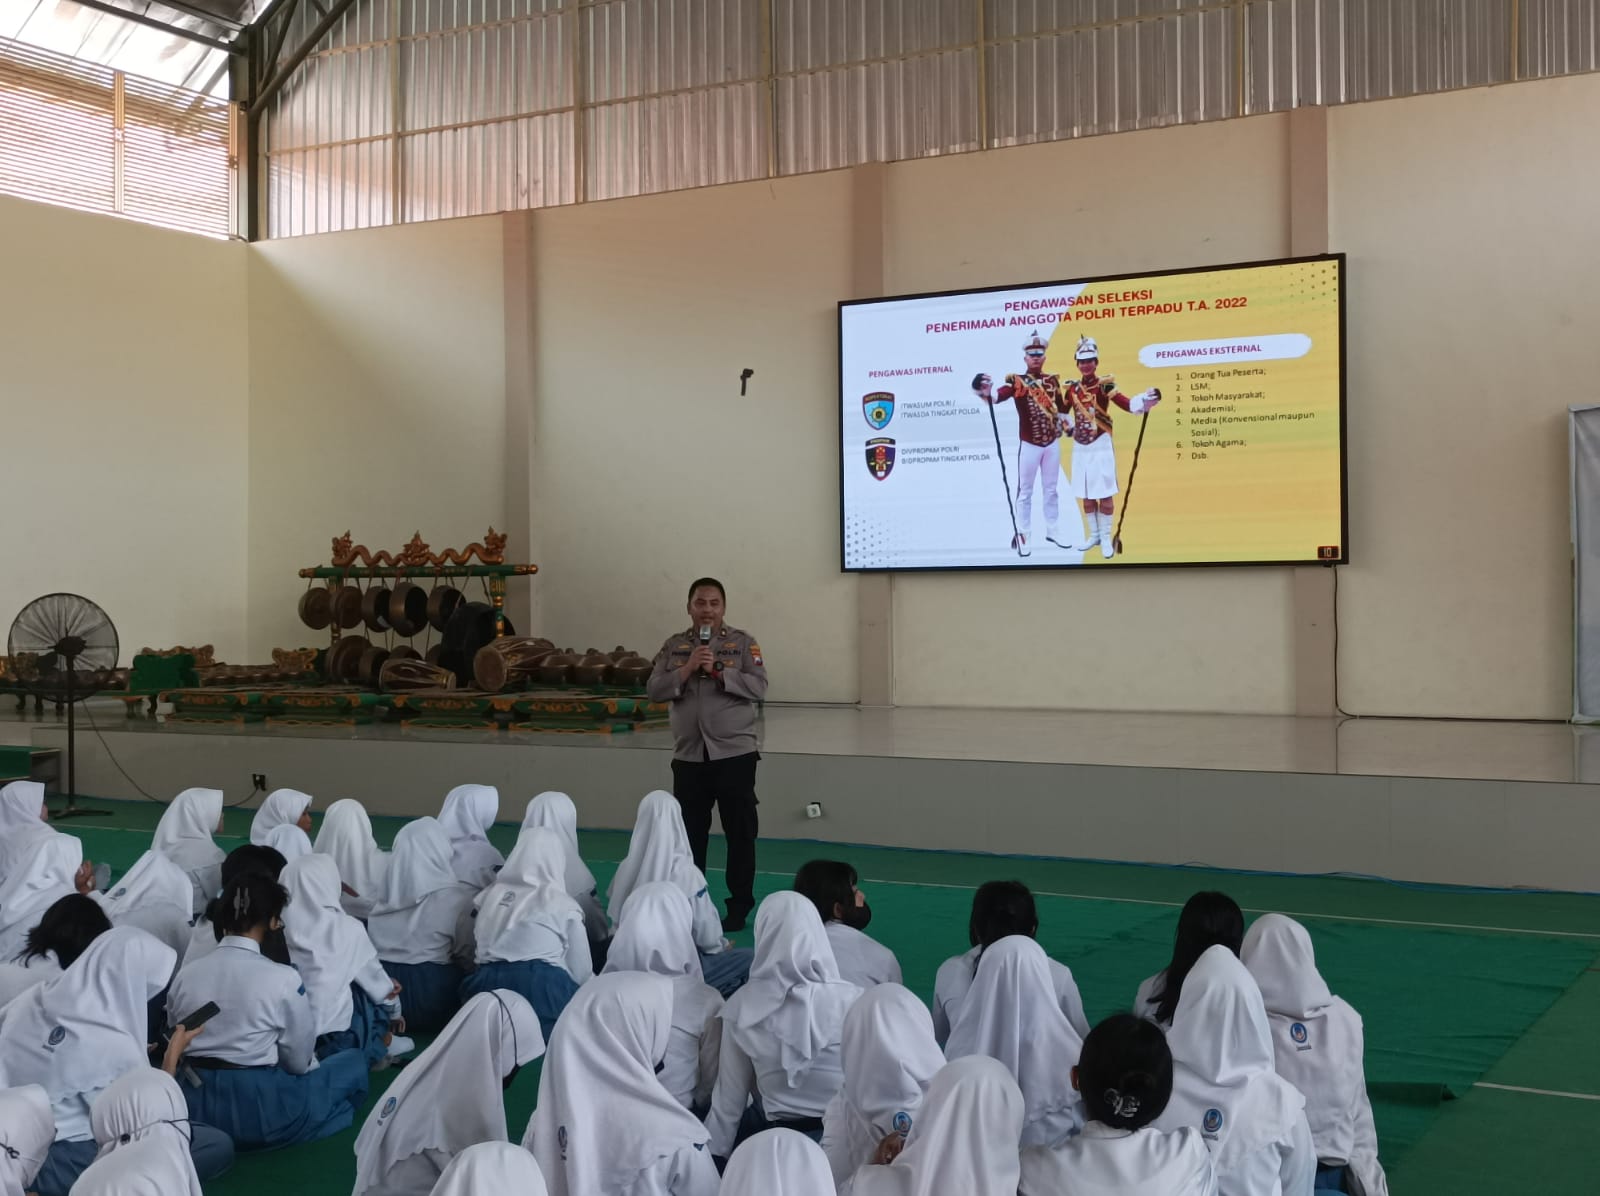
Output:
(857, 916)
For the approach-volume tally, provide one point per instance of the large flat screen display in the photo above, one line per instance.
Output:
(1185, 418)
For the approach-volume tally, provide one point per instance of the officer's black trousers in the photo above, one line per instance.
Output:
(730, 786)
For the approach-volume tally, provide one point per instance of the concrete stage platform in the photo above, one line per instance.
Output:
(1485, 804)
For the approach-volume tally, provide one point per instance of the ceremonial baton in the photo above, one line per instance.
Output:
(1116, 539)
(1016, 536)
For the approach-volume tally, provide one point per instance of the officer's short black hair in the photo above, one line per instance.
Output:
(701, 583)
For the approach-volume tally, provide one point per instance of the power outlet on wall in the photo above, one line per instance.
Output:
(258, 781)
(813, 809)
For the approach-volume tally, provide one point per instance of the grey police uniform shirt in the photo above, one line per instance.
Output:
(713, 717)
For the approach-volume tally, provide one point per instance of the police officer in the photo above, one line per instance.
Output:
(713, 676)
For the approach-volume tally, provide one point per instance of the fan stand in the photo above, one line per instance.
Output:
(69, 649)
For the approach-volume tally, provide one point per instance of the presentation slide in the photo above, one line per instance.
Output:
(1185, 418)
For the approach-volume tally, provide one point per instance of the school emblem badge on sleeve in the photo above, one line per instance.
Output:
(1299, 1033)
(58, 1036)
(902, 1123)
(1211, 1123)
(880, 456)
(878, 407)
(389, 1106)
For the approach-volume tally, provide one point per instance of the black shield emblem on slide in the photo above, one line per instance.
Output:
(880, 456)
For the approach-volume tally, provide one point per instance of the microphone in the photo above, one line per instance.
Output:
(705, 633)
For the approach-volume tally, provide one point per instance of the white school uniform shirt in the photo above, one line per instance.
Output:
(1224, 1085)
(449, 1098)
(346, 835)
(37, 880)
(142, 1125)
(424, 914)
(289, 841)
(1317, 1046)
(1107, 1161)
(659, 850)
(492, 1167)
(889, 1059)
(1011, 1014)
(264, 1016)
(467, 814)
(655, 936)
(329, 948)
(77, 1034)
(954, 979)
(184, 836)
(605, 1125)
(781, 1032)
(18, 978)
(282, 807)
(965, 1141)
(156, 896)
(777, 1163)
(862, 959)
(555, 811)
(26, 1130)
(526, 913)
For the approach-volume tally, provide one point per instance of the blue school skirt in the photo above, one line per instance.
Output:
(430, 994)
(369, 1024)
(211, 1150)
(263, 1108)
(728, 971)
(546, 987)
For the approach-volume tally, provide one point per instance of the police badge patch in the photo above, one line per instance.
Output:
(878, 407)
(880, 456)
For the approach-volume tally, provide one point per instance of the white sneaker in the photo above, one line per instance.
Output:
(400, 1046)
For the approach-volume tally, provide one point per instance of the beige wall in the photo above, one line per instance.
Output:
(123, 421)
(377, 401)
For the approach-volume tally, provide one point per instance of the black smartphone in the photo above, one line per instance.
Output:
(200, 1016)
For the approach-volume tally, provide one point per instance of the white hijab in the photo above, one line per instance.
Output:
(1012, 1014)
(1277, 952)
(555, 811)
(965, 1140)
(20, 803)
(346, 835)
(778, 1163)
(39, 878)
(419, 866)
(142, 1125)
(184, 834)
(604, 1116)
(528, 892)
(289, 841)
(795, 1000)
(326, 945)
(89, 1025)
(498, 1168)
(452, 1096)
(282, 806)
(658, 850)
(889, 1056)
(467, 814)
(27, 1127)
(1223, 1082)
(155, 895)
(656, 934)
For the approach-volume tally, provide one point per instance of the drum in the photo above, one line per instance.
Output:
(470, 628)
(399, 674)
(408, 608)
(316, 608)
(507, 663)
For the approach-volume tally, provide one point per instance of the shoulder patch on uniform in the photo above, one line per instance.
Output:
(702, 892)
(755, 651)
(1108, 384)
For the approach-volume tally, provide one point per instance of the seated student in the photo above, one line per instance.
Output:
(289, 841)
(184, 836)
(781, 1032)
(830, 885)
(555, 811)
(255, 1061)
(24, 820)
(1011, 1015)
(467, 814)
(1317, 1046)
(63, 933)
(659, 850)
(155, 895)
(966, 1139)
(81, 1032)
(53, 867)
(207, 931)
(656, 936)
(450, 1097)
(346, 835)
(777, 1163)
(1125, 1076)
(421, 925)
(492, 1167)
(354, 1001)
(1208, 919)
(1223, 1084)
(282, 807)
(27, 1128)
(605, 1125)
(889, 1057)
(529, 933)
(142, 1126)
